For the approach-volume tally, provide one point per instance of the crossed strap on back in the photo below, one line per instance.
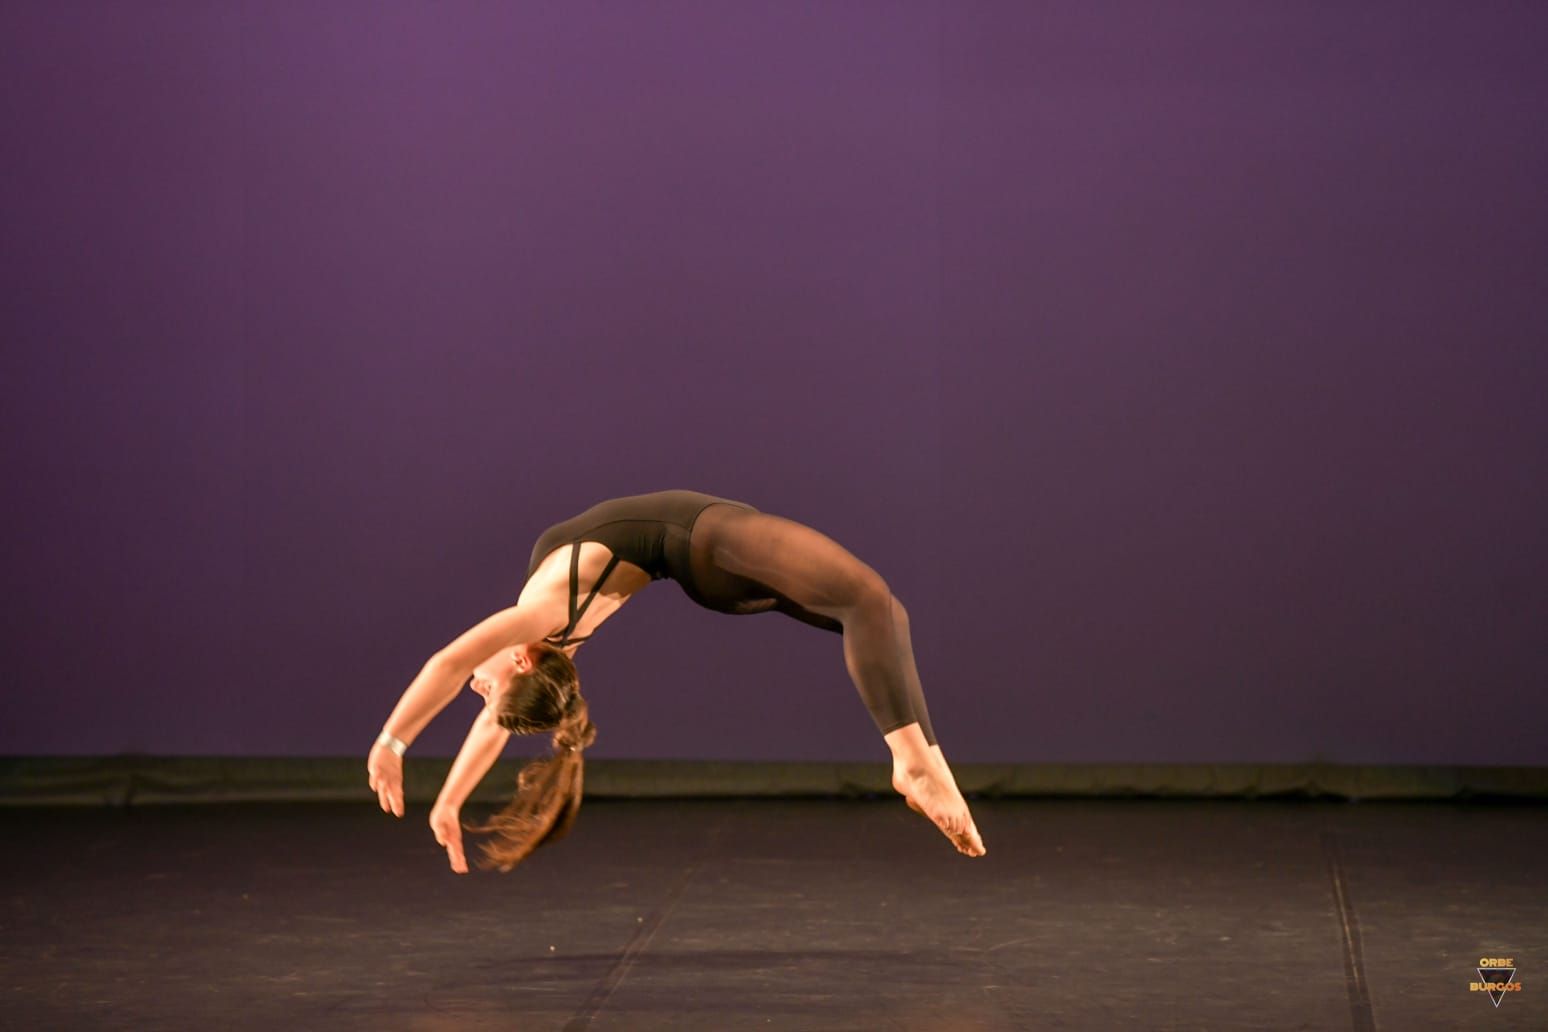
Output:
(575, 614)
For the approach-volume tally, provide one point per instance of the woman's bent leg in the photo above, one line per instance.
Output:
(736, 553)
(820, 582)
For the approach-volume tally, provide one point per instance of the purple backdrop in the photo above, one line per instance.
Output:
(1181, 365)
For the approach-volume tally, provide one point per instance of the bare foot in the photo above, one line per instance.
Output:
(937, 798)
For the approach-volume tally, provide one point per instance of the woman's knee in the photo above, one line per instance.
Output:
(860, 599)
(874, 601)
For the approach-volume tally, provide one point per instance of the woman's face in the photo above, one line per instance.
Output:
(494, 675)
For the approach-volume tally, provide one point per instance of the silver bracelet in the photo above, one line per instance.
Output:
(397, 745)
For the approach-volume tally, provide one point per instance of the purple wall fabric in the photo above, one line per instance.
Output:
(1180, 365)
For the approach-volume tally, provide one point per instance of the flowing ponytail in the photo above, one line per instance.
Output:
(548, 789)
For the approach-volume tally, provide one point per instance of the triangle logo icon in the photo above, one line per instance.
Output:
(1502, 975)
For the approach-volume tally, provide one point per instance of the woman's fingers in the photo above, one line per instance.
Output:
(387, 783)
(389, 795)
(447, 829)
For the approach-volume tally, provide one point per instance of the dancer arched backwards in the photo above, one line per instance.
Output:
(728, 557)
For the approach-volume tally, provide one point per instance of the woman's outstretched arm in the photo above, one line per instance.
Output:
(479, 751)
(442, 677)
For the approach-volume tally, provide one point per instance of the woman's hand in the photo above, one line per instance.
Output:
(385, 768)
(446, 822)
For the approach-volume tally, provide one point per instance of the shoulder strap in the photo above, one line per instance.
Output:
(577, 613)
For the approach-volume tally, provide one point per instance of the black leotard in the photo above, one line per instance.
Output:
(649, 530)
(732, 558)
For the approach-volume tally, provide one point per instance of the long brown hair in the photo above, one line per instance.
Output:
(548, 789)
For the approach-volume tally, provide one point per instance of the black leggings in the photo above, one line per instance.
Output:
(744, 561)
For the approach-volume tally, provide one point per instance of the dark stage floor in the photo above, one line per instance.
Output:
(779, 914)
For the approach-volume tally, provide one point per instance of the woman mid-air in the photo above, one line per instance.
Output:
(727, 556)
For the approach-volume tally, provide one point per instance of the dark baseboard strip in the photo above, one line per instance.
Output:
(138, 780)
